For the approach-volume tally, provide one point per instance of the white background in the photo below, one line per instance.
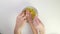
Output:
(48, 12)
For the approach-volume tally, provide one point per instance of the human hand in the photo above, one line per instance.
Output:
(30, 20)
(38, 25)
(20, 21)
(29, 16)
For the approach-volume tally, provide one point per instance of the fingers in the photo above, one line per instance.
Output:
(28, 13)
(29, 17)
(36, 21)
(23, 18)
(21, 15)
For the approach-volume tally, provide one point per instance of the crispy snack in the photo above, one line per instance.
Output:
(32, 10)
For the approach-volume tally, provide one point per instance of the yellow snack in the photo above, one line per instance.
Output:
(32, 11)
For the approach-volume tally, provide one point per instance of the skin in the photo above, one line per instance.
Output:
(38, 25)
(20, 22)
(35, 24)
(29, 18)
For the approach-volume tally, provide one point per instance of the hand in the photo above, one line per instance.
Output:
(38, 25)
(29, 19)
(20, 22)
